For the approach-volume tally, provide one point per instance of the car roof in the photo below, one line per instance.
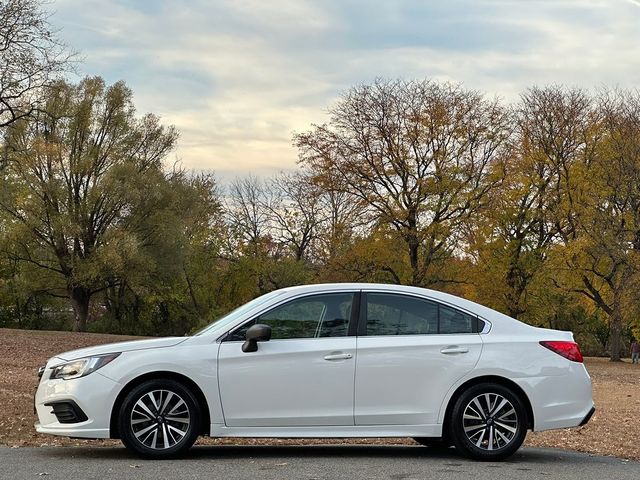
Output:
(454, 300)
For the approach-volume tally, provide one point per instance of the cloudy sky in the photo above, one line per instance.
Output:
(238, 77)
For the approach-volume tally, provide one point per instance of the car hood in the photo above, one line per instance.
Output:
(122, 347)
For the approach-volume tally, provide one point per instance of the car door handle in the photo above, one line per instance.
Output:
(338, 356)
(453, 349)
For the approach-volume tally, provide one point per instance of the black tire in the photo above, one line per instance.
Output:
(505, 432)
(169, 437)
(432, 442)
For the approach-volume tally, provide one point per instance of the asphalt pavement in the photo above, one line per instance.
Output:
(352, 462)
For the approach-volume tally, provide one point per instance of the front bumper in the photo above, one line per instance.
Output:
(94, 396)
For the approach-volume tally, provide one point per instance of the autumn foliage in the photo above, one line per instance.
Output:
(531, 207)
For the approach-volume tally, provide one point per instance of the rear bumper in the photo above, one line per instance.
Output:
(563, 401)
(586, 419)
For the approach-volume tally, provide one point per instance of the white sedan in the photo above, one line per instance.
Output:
(332, 360)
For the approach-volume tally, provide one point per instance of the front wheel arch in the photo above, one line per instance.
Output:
(161, 375)
(487, 379)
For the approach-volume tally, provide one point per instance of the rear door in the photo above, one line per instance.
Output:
(410, 353)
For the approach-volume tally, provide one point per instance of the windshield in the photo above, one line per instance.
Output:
(234, 315)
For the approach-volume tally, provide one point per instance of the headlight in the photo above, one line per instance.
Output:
(82, 366)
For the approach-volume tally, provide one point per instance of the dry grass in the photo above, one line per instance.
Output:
(21, 353)
(612, 430)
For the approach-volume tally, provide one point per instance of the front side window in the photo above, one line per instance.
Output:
(393, 314)
(239, 312)
(324, 315)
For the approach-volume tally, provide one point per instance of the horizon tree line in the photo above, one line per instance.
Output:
(530, 207)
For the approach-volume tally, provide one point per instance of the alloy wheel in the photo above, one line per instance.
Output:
(490, 421)
(160, 419)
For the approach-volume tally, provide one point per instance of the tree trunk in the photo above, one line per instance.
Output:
(115, 303)
(413, 244)
(517, 285)
(615, 329)
(80, 298)
(192, 294)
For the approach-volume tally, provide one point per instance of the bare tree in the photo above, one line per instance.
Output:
(295, 211)
(420, 154)
(246, 210)
(31, 57)
(346, 216)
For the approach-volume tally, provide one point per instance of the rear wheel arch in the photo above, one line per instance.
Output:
(510, 384)
(162, 375)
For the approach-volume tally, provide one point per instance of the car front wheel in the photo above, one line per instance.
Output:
(159, 418)
(488, 422)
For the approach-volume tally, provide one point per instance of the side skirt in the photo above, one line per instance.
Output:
(362, 431)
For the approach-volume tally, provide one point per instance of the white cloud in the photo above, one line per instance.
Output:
(238, 77)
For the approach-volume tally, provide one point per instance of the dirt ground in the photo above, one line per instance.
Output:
(613, 429)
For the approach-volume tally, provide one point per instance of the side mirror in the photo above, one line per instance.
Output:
(257, 333)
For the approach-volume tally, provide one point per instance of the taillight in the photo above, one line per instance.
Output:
(569, 350)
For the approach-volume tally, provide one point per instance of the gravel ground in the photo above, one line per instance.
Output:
(611, 431)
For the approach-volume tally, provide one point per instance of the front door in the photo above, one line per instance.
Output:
(303, 376)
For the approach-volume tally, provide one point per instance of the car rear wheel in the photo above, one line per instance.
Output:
(488, 422)
(159, 418)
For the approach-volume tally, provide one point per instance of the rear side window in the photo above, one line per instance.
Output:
(455, 321)
(389, 314)
(393, 314)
